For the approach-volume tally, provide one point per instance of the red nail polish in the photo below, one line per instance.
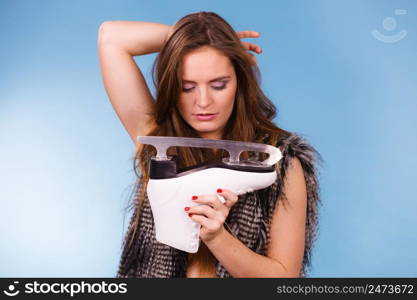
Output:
(195, 197)
(219, 190)
(190, 215)
(187, 208)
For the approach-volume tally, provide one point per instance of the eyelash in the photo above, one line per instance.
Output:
(214, 87)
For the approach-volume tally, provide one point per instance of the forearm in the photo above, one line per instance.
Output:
(240, 261)
(135, 37)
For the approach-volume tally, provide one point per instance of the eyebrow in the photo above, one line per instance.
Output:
(215, 79)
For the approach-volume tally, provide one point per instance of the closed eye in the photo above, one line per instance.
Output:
(187, 90)
(219, 87)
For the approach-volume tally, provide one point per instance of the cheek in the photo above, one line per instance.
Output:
(229, 100)
(182, 105)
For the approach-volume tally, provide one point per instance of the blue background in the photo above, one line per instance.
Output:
(66, 160)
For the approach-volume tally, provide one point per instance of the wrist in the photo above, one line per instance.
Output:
(218, 239)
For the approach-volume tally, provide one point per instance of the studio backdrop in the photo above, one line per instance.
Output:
(341, 73)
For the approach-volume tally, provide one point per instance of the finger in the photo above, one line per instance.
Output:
(248, 34)
(255, 48)
(207, 223)
(252, 47)
(211, 200)
(231, 197)
(202, 220)
(210, 224)
(215, 203)
(205, 210)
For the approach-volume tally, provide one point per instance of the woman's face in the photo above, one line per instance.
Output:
(209, 87)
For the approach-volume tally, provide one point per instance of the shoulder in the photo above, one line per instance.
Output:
(298, 153)
(295, 144)
(296, 167)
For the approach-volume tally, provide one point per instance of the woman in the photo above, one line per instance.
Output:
(207, 86)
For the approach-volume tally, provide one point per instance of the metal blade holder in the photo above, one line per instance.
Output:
(234, 148)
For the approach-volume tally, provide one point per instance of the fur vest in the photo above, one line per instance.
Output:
(249, 220)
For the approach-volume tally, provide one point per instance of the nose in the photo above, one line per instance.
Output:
(203, 98)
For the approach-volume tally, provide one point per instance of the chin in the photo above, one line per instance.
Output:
(203, 129)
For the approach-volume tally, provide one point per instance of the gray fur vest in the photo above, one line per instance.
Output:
(249, 219)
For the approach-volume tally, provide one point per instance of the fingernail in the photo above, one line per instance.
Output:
(190, 215)
(219, 190)
(195, 197)
(186, 208)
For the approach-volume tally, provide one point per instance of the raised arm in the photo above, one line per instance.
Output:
(118, 42)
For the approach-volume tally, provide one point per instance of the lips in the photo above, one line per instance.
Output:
(205, 117)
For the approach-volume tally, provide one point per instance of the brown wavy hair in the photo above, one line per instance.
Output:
(250, 120)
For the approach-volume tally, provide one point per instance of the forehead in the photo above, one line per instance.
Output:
(204, 64)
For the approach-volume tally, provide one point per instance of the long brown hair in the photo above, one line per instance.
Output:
(250, 120)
